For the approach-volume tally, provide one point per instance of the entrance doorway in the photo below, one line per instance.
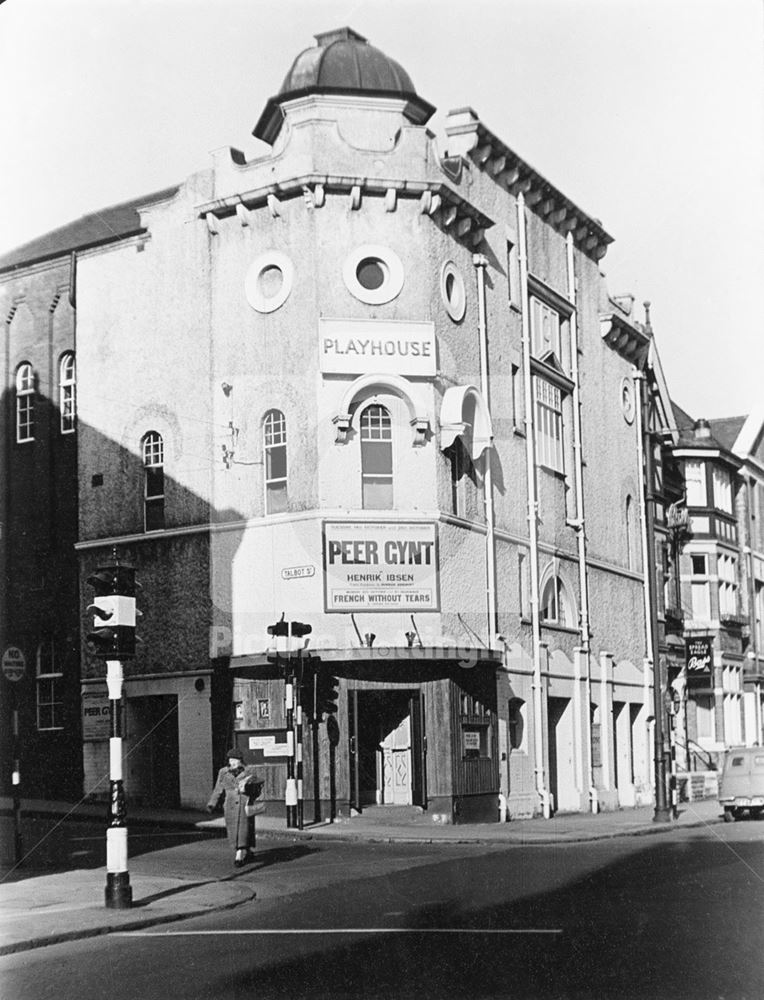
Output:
(562, 777)
(153, 764)
(387, 747)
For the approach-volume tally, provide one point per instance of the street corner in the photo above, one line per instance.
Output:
(54, 909)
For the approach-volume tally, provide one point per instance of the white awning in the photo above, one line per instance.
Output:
(464, 413)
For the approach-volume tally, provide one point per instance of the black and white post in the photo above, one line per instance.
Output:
(298, 755)
(119, 894)
(113, 640)
(291, 782)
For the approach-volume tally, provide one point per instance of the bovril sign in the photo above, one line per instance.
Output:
(699, 657)
(380, 566)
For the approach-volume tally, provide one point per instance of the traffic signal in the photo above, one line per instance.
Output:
(113, 635)
(327, 693)
(280, 628)
(300, 630)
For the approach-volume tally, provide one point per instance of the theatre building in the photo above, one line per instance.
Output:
(375, 386)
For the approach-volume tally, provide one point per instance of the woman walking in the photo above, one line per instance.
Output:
(240, 786)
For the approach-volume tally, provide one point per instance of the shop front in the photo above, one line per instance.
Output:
(380, 728)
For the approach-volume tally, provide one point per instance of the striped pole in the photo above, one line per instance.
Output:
(291, 784)
(298, 734)
(119, 894)
(18, 849)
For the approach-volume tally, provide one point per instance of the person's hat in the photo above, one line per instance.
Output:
(234, 753)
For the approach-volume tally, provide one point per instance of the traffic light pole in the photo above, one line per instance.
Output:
(119, 894)
(293, 712)
(18, 850)
(298, 754)
(291, 783)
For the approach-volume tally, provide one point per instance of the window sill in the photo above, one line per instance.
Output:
(552, 472)
(557, 627)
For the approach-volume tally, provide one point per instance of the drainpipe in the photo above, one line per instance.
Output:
(580, 523)
(530, 456)
(662, 813)
(754, 650)
(638, 379)
(481, 262)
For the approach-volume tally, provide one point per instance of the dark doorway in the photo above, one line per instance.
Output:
(387, 748)
(152, 763)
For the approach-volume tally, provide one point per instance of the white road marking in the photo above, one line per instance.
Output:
(347, 930)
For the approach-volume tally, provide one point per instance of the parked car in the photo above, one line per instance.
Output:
(742, 785)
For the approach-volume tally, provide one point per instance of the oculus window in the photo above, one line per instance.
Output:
(373, 274)
(269, 281)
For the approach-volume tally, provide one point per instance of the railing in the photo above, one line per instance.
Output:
(697, 754)
(733, 621)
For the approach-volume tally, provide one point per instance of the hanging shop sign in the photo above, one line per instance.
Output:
(380, 566)
(356, 347)
(699, 658)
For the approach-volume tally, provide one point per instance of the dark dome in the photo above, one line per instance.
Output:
(342, 62)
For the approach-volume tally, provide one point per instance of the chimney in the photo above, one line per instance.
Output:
(702, 430)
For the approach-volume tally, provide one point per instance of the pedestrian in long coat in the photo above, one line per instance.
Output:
(238, 784)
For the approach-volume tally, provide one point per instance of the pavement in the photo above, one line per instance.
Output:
(39, 907)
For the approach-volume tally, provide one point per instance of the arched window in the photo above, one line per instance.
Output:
(275, 448)
(376, 458)
(67, 393)
(556, 605)
(153, 481)
(49, 679)
(25, 403)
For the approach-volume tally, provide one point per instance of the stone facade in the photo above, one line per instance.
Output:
(383, 391)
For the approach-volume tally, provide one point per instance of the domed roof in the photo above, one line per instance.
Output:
(342, 62)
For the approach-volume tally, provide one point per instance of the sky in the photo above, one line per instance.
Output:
(648, 114)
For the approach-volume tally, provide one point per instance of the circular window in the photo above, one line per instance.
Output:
(628, 402)
(453, 291)
(371, 273)
(269, 281)
(374, 274)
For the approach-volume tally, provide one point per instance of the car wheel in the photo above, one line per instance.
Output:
(729, 816)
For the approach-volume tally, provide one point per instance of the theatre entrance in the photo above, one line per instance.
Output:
(387, 747)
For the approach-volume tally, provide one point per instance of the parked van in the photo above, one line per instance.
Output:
(742, 785)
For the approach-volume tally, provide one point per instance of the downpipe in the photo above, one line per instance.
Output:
(530, 456)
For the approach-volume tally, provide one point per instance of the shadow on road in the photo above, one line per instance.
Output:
(54, 844)
(676, 920)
